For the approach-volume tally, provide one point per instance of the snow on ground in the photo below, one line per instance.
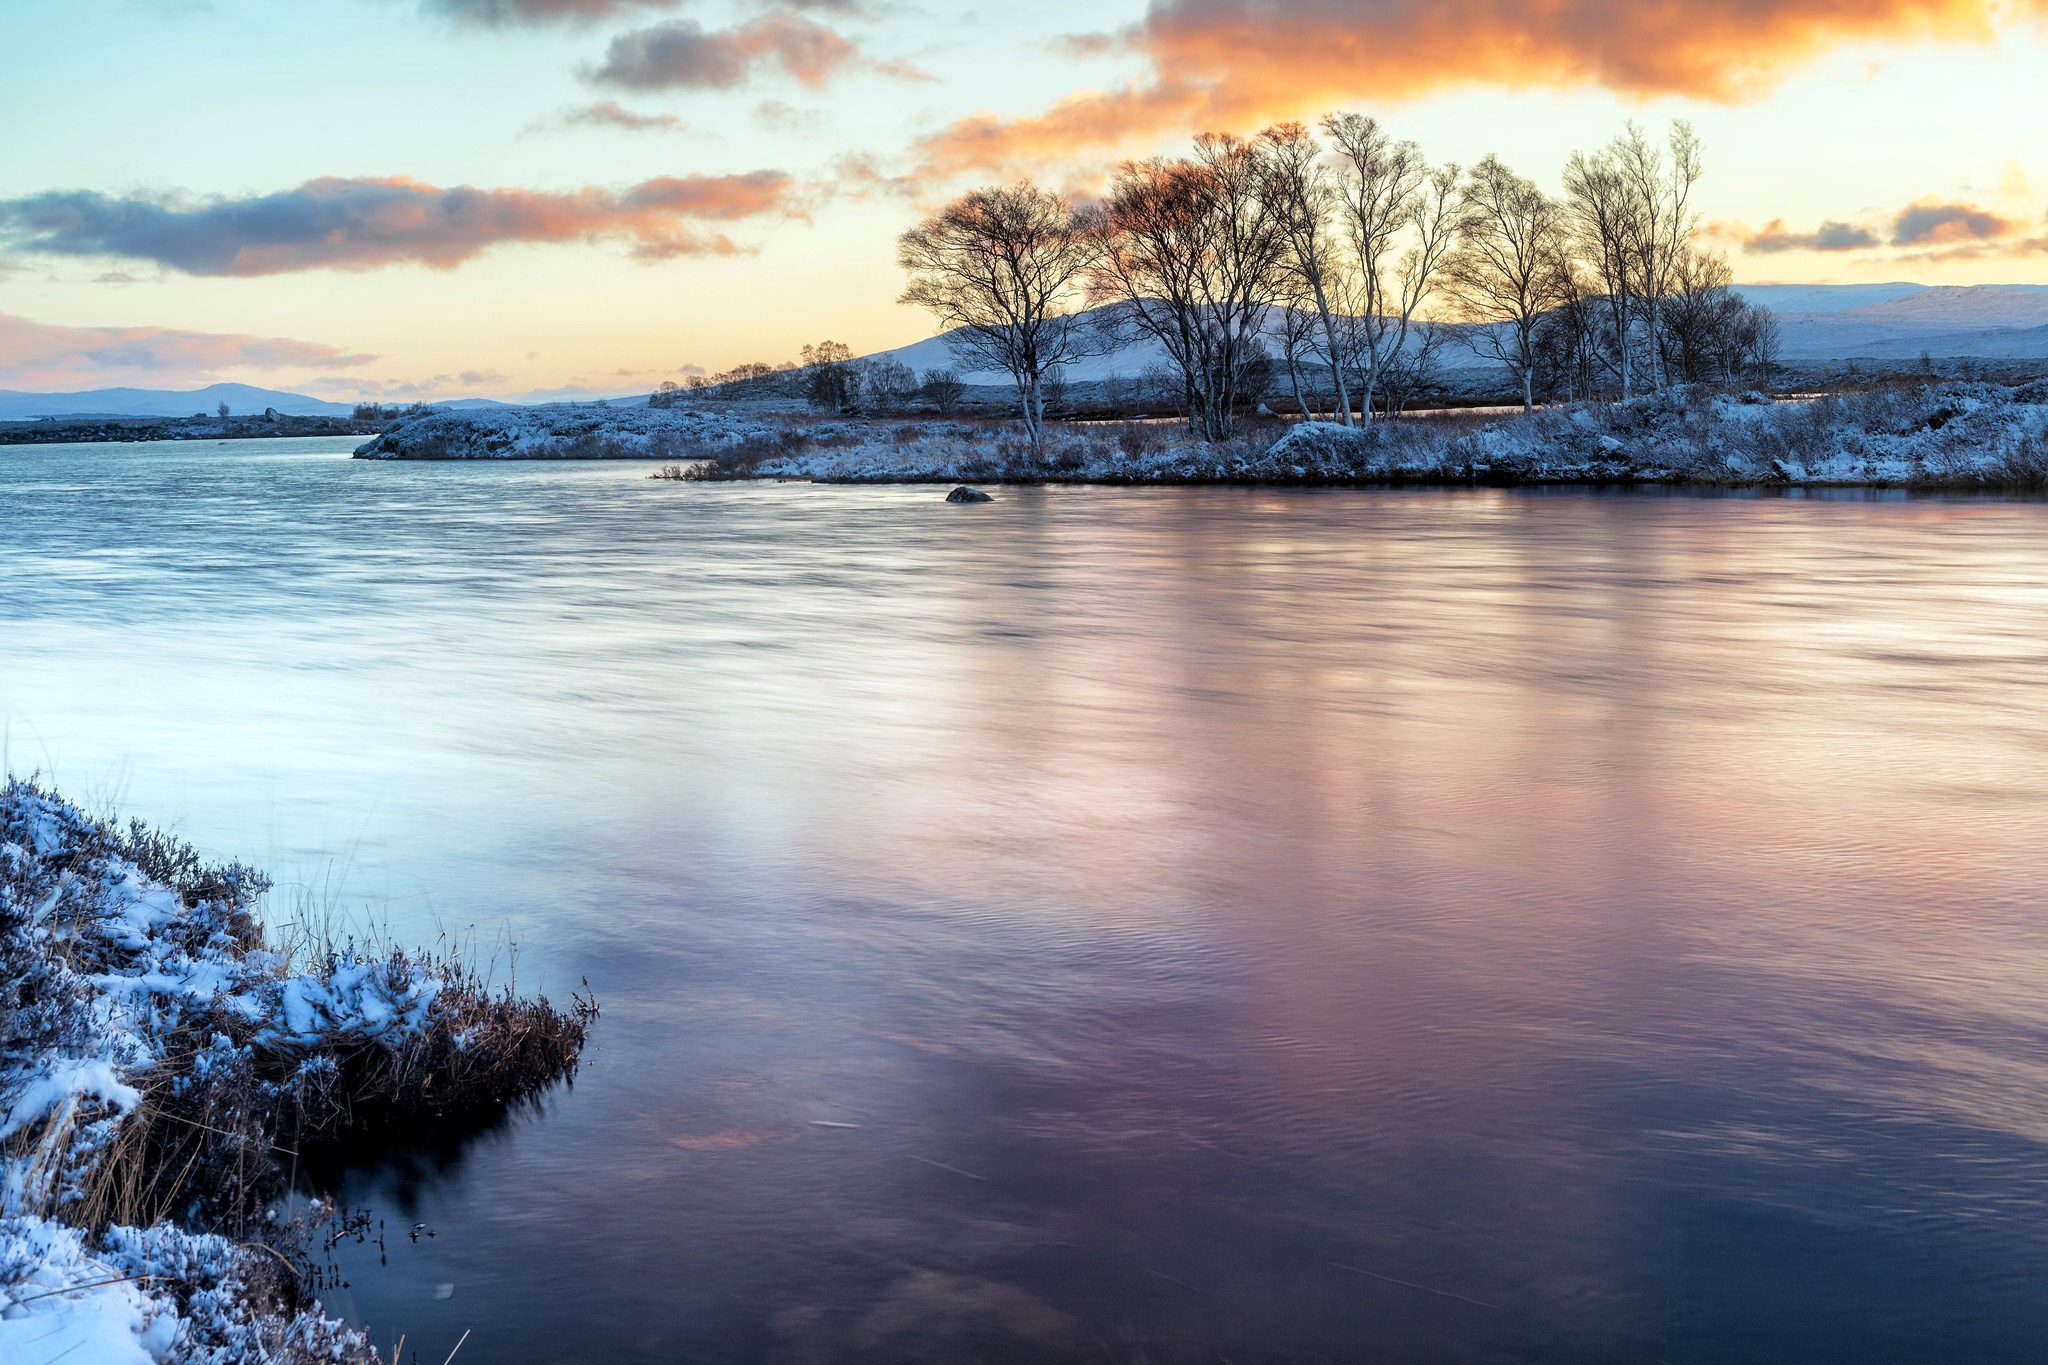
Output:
(155, 1056)
(1935, 434)
(564, 431)
(1953, 435)
(144, 1296)
(1950, 435)
(107, 977)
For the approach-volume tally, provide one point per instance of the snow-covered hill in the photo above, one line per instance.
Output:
(1894, 321)
(17, 406)
(1902, 321)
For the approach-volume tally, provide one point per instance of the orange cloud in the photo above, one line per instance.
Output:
(1931, 229)
(1238, 63)
(362, 224)
(1829, 236)
(1932, 223)
(41, 355)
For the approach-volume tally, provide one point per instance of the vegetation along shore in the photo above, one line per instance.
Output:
(1940, 435)
(165, 1068)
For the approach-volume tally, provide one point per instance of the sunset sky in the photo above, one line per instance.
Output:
(406, 198)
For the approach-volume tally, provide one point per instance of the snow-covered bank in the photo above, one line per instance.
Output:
(1947, 435)
(564, 431)
(156, 1055)
(1956, 435)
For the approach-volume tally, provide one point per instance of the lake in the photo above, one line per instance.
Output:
(1125, 925)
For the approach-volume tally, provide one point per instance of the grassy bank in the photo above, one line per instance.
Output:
(162, 1064)
(81, 430)
(1906, 435)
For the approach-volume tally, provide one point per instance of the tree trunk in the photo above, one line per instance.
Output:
(1294, 382)
(1626, 345)
(1033, 412)
(1336, 359)
(1656, 369)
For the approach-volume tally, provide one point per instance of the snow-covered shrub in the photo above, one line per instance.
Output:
(155, 1057)
(565, 431)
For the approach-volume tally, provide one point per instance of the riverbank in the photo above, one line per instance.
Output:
(574, 431)
(1968, 436)
(258, 426)
(1932, 435)
(163, 1063)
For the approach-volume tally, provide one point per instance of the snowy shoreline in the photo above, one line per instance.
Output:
(157, 1054)
(565, 431)
(1934, 436)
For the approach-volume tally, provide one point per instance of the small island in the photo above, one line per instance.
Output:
(1927, 435)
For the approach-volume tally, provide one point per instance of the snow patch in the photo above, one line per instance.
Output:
(565, 431)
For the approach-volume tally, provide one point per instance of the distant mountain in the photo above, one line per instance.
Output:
(1991, 343)
(1984, 305)
(1980, 321)
(1817, 321)
(16, 406)
(571, 394)
(1970, 305)
(1895, 321)
(1127, 362)
(1825, 298)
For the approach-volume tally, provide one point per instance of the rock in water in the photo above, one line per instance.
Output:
(966, 494)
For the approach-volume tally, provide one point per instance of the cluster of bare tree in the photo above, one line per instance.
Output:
(831, 378)
(828, 377)
(1355, 259)
(748, 380)
(379, 412)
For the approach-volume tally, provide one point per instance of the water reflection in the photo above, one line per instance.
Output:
(1125, 924)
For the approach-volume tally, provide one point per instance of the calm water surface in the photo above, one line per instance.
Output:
(1216, 924)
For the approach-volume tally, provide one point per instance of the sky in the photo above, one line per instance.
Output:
(401, 199)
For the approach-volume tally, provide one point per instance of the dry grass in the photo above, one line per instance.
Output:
(225, 1108)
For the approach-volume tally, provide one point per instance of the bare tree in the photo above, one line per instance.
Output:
(1056, 388)
(884, 383)
(1412, 371)
(1298, 331)
(1568, 339)
(1709, 332)
(1503, 276)
(1699, 321)
(1304, 197)
(1001, 268)
(1631, 212)
(943, 389)
(1661, 192)
(1379, 191)
(829, 379)
(1764, 344)
(1606, 224)
(1433, 225)
(1191, 254)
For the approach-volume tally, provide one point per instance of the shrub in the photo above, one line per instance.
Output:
(160, 1056)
